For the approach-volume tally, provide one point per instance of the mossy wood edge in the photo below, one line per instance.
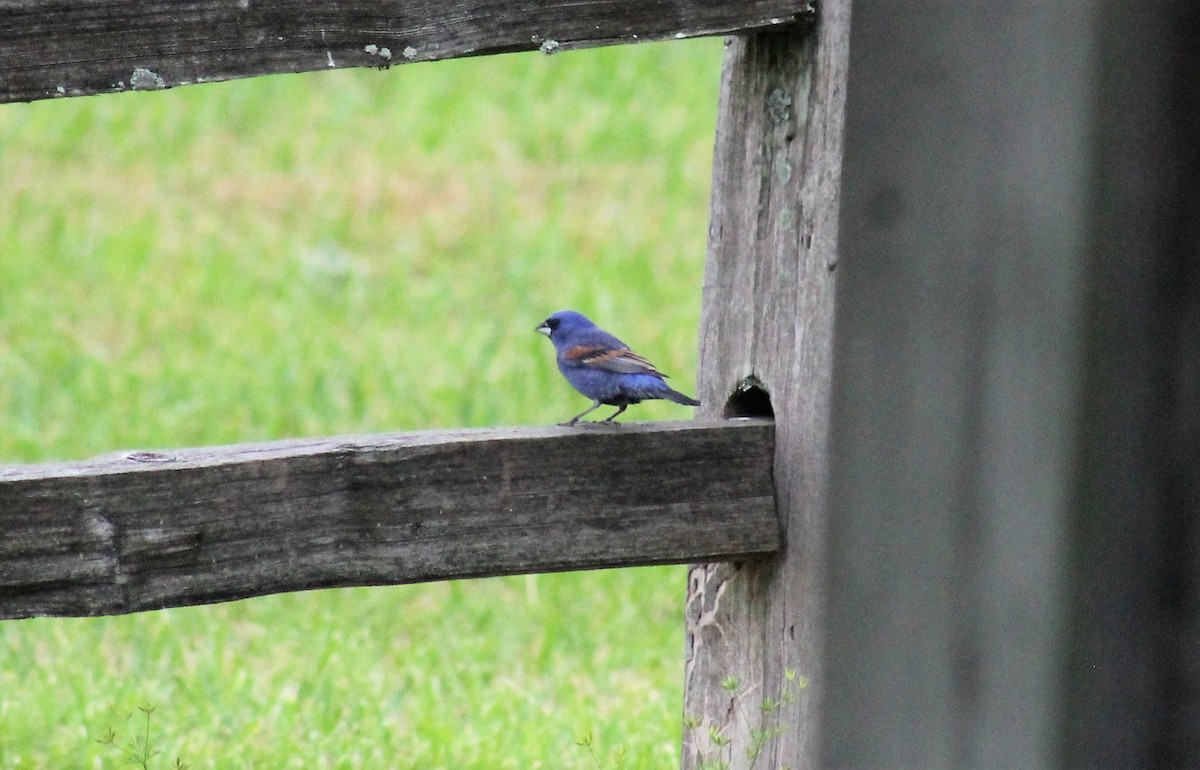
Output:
(51, 49)
(767, 321)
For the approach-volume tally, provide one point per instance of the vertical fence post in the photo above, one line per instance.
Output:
(1013, 538)
(964, 230)
(1132, 688)
(753, 629)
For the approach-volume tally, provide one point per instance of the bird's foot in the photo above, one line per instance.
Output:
(589, 423)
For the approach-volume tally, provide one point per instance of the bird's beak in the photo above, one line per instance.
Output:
(543, 329)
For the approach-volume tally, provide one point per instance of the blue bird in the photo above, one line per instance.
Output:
(602, 367)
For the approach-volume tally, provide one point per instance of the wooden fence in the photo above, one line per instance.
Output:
(146, 530)
(984, 540)
(139, 531)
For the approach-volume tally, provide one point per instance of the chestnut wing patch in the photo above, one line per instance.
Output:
(624, 361)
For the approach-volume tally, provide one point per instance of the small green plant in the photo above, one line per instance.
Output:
(138, 750)
(588, 742)
(717, 754)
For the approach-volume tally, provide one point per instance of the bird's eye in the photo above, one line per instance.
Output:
(552, 323)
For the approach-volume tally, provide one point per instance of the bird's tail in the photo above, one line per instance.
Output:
(674, 395)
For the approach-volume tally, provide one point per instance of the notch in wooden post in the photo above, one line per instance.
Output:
(749, 399)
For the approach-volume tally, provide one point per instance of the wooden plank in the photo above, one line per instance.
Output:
(143, 531)
(53, 48)
(754, 629)
(1133, 675)
(964, 232)
(1009, 564)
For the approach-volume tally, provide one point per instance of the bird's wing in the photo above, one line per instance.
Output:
(622, 360)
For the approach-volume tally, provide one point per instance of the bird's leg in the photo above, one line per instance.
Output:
(595, 405)
(613, 416)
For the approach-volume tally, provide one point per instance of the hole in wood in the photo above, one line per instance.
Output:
(750, 399)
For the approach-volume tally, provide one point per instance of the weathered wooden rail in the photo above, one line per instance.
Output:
(147, 530)
(79, 47)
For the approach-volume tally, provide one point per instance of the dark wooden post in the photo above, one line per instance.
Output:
(753, 628)
(1133, 665)
(1013, 526)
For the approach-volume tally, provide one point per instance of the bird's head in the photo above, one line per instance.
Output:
(564, 322)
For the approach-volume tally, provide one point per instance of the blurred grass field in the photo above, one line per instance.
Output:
(349, 252)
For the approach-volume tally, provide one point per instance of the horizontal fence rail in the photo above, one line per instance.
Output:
(146, 530)
(54, 48)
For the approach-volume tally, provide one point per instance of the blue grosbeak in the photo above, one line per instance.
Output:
(602, 367)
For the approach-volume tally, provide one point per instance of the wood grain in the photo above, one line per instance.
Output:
(768, 324)
(53, 48)
(142, 531)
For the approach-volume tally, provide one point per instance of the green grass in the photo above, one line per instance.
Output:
(342, 252)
